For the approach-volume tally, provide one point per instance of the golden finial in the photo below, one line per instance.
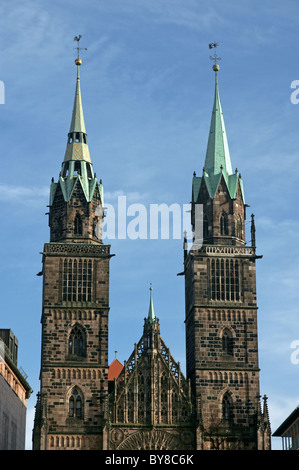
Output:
(213, 45)
(78, 61)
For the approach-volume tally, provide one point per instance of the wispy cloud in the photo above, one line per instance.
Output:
(132, 197)
(23, 194)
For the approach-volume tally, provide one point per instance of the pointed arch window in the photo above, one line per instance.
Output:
(78, 227)
(59, 227)
(205, 226)
(227, 408)
(227, 342)
(223, 224)
(75, 404)
(76, 342)
(239, 228)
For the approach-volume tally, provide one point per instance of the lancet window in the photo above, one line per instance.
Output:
(227, 408)
(227, 342)
(77, 342)
(223, 224)
(75, 404)
(78, 227)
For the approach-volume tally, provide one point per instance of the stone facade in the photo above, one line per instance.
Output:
(72, 403)
(221, 307)
(150, 405)
(74, 367)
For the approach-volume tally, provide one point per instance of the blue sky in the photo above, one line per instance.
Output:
(147, 88)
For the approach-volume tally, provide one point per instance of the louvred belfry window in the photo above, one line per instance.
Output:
(77, 281)
(225, 280)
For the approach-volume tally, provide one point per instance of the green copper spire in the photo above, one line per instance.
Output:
(77, 124)
(151, 313)
(77, 148)
(217, 162)
(217, 156)
(77, 167)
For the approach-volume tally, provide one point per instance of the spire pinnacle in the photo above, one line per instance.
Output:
(77, 148)
(77, 167)
(217, 164)
(151, 313)
(217, 156)
(77, 123)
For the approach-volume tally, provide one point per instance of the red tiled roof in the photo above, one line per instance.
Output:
(115, 369)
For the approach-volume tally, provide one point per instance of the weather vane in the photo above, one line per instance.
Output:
(213, 45)
(78, 61)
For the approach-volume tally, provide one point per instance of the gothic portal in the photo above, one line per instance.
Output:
(149, 403)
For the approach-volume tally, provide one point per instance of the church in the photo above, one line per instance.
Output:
(148, 403)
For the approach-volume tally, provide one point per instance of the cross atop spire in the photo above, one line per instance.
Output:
(78, 61)
(213, 45)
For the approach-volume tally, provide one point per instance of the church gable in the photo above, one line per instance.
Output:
(151, 390)
(150, 405)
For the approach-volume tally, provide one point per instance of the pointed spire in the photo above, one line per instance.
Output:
(217, 156)
(259, 410)
(265, 410)
(77, 166)
(77, 123)
(151, 313)
(77, 148)
(217, 164)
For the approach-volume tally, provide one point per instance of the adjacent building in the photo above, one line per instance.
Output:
(289, 431)
(14, 392)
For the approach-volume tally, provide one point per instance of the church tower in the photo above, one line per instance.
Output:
(221, 304)
(72, 403)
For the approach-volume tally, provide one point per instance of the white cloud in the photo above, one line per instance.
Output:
(22, 194)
